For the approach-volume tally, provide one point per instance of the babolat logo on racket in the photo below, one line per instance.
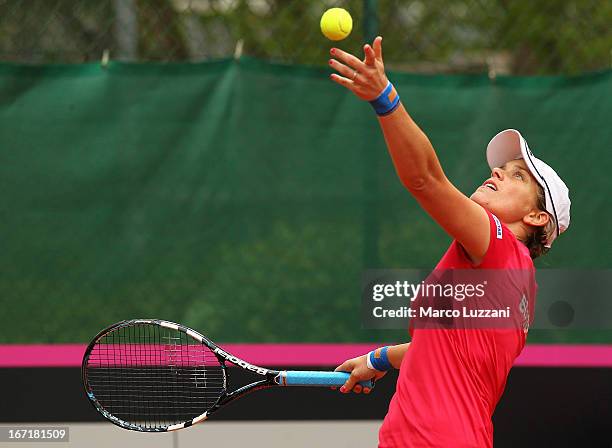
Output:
(241, 363)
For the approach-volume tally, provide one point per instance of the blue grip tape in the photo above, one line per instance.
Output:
(323, 379)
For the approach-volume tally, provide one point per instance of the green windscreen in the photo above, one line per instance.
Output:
(245, 199)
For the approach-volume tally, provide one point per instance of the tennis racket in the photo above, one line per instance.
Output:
(154, 376)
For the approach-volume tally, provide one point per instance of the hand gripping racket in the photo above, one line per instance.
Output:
(153, 375)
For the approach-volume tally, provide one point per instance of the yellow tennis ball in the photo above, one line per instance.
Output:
(336, 23)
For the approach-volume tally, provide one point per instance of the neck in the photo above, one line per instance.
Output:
(519, 229)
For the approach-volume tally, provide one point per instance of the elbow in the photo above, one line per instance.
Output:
(424, 180)
(416, 184)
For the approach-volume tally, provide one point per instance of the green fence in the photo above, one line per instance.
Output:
(245, 198)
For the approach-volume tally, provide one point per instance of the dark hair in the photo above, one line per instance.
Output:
(536, 240)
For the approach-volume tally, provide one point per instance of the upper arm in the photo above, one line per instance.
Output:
(463, 219)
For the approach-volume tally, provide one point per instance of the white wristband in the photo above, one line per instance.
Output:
(368, 362)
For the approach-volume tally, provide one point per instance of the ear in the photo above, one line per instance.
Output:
(536, 218)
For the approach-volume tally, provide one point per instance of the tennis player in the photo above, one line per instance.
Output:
(450, 381)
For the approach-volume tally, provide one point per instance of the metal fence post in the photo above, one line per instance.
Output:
(371, 159)
(370, 19)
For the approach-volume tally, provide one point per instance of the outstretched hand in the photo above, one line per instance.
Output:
(359, 370)
(365, 78)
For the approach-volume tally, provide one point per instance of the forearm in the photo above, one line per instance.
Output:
(396, 353)
(414, 158)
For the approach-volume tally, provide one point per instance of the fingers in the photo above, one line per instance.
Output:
(341, 80)
(366, 79)
(350, 384)
(370, 56)
(342, 368)
(345, 71)
(357, 389)
(346, 366)
(348, 59)
(377, 44)
(358, 372)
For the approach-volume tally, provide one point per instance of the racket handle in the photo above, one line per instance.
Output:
(317, 379)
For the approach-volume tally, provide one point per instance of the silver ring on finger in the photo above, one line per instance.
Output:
(354, 75)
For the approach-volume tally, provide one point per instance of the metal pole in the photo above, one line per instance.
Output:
(370, 20)
(371, 159)
(126, 29)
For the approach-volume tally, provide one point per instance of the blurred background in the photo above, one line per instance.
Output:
(191, 161)
(518, 37)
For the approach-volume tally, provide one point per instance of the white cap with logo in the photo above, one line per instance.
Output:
(510, 145)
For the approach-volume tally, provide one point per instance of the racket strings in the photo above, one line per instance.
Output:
(153, 377)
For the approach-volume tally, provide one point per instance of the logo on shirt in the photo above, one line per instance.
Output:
(524, 309)
(499, 227)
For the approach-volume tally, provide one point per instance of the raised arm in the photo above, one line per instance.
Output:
(413, 155)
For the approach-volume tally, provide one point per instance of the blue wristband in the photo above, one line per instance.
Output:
(387, 101)
(381, 363)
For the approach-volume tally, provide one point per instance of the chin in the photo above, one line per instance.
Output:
(479, 198)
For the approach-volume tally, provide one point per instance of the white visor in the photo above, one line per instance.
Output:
(510, 145)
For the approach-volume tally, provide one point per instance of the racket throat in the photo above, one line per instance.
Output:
(281, 378)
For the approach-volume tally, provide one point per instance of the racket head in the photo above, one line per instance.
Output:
(152, 375)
